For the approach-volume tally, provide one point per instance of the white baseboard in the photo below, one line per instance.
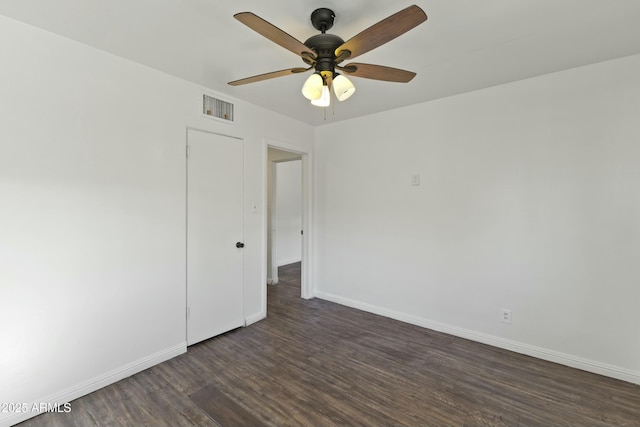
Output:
(86, 387)
(255, 318)
(515, 346)
(283, 262)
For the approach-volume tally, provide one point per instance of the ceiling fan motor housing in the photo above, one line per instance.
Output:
(324, 45)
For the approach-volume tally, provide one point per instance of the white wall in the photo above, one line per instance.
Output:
(288, 212)
(273, 155)
(92, 214)
(529, 201)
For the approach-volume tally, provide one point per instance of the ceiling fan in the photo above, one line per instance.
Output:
(325, 52)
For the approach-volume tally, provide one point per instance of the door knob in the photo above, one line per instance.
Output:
(239, 245)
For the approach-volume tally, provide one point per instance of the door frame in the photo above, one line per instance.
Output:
(306, 285)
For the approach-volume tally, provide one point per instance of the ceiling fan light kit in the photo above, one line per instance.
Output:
(317, 87)
(325, 52)
(325, 98)
(342, 87)
(312, 88)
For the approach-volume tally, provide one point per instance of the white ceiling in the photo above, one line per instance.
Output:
(464, 45)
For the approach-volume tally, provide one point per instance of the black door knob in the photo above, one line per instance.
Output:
(239, 245)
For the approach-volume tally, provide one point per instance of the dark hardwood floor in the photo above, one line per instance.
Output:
(315, 363)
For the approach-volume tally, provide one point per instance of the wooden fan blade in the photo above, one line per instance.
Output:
(378, 72)
(273, 33)
(268, 76)
(382, 32)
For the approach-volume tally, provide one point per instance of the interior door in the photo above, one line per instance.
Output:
(215, 228)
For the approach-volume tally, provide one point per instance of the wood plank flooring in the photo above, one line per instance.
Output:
(315, 363)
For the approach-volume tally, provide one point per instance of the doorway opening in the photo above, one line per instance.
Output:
(287, 217)
(284, 212)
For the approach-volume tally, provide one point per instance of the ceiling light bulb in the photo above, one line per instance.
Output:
(312, 88)
(325, 98)
(342, 87)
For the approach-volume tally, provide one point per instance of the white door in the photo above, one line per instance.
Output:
(215, 226)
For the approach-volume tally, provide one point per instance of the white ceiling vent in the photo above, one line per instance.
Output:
(217, 108)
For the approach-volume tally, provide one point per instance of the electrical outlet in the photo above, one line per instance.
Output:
(506, 316)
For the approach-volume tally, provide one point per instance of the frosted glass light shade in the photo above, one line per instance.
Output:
(312, 88)
(343, 88)
(325, 98)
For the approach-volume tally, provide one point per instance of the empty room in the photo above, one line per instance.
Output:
(319, 213)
